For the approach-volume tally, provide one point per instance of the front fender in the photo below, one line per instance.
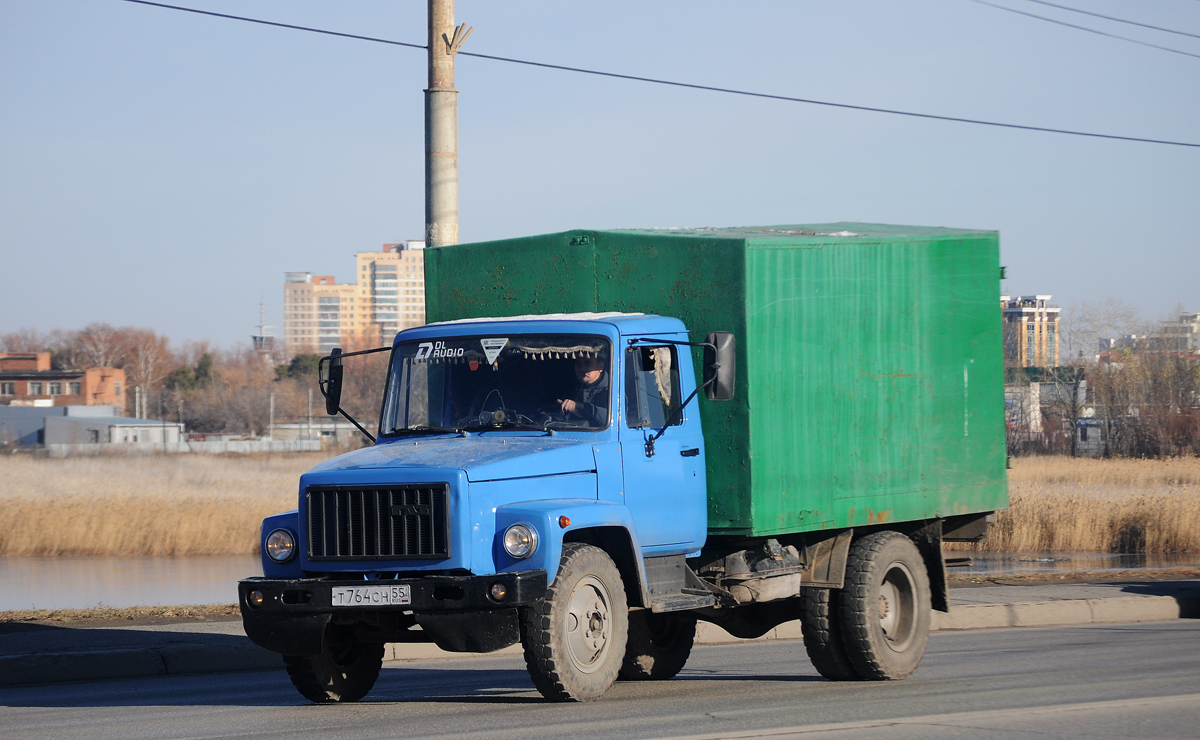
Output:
(289, 520)
(544, 516)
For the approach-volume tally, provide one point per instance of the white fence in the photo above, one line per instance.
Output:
(237, 446)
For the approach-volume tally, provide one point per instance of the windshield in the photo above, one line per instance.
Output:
(528, 381)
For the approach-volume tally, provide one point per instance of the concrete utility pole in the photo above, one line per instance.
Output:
(441, 126)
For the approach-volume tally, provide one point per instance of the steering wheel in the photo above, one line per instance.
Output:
(551, 413)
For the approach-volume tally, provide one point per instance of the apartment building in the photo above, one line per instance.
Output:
(387, 295)
(1182, 335)
(1030, 330)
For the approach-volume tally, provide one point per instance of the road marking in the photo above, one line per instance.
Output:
(782, 733)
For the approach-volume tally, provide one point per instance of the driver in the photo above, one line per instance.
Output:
(590, 400)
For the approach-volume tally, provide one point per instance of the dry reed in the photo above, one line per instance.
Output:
(202, 505)
(152, 505)
(1067, 504)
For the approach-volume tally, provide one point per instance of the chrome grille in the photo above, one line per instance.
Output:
(378, 522)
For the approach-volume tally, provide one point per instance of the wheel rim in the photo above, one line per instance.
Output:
(589, 624)
(897, 607)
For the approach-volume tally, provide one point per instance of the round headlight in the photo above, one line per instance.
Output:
(281, 545)
(520, 541)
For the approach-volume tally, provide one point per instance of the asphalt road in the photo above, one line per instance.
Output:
(1094, 681)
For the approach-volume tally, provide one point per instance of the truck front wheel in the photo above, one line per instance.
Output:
(659, 645)
(885, 606)
(345, 670)
(574, 637)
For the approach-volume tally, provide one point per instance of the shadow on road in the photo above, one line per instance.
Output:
(1186, 593)
(72, 667)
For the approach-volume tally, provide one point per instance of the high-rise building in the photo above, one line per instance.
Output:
(1182, 335)
(1030, 331)
(388, 295)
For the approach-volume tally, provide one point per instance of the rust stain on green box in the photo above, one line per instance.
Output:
(869, 356)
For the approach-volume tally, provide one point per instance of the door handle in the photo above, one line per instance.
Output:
(693, 452)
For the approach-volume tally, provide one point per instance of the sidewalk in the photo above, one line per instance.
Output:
(32, 653)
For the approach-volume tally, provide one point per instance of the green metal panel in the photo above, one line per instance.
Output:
(539, 274)
(870, 372)
(862, 352)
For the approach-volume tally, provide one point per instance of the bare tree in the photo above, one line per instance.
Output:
(145, 356)
(100, 345)
(1062, 391)
(1089, 322)
(24, 340)
(1149, 403)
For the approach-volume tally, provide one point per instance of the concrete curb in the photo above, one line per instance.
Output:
(198, 657)
(1068, 611)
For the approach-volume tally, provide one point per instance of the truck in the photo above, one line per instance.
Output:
(602, 438)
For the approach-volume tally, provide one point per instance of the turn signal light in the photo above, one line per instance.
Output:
(499, 592)
(564, 521)
(255, 598)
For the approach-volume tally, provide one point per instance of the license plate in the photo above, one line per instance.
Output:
(371, 596)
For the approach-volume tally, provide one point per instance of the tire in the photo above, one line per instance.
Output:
(344, 671)
(574, 637)
(820, 623)
(885, 607)
(658, 645)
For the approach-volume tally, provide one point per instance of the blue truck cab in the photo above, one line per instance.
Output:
(533, 480)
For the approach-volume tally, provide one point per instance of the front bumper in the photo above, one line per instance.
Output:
(293, 614)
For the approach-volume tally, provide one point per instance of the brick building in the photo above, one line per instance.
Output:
(26, 379)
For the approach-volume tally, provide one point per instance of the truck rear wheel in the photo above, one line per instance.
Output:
(344, 671)
(820, 623)
(574, 637)
(885, 606)
(659, 645)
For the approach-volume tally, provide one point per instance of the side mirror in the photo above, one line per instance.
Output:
(330, 381)
(720, 365)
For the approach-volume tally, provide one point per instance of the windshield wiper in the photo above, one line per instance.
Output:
(517, 425)
(427, 430)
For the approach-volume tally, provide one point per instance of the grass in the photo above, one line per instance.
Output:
(1061, 504)
(208, 505)
(151, 505)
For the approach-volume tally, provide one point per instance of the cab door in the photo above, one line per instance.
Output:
(664, 486)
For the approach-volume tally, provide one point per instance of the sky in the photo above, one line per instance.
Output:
(163, 170)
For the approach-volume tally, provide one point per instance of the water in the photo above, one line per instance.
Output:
(82, 582)
(87, 581)
(1000, 563)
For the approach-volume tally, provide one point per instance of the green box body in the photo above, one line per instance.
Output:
(870, 378)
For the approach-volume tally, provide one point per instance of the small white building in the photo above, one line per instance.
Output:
(331, 432)
(110, 430)
(1023, 408)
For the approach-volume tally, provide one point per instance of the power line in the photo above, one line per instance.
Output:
(278, 25)
(688, 85)
(1085, 28)
(1118, 20)
(847, 106)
